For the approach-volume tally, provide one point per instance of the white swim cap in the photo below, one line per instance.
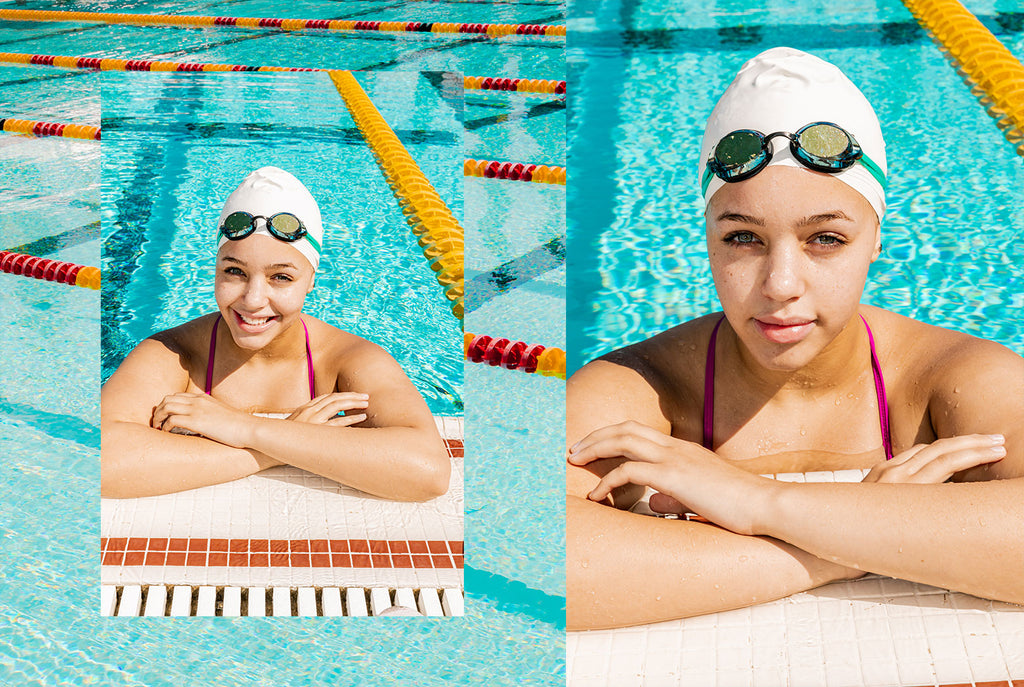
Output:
(783, 89)
(269, 191)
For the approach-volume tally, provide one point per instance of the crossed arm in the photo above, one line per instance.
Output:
(777, 538)
(394, 452)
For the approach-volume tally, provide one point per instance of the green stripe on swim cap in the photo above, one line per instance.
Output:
(313, 242)
(873, 168)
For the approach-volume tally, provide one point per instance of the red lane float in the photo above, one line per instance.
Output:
(28, 126)
(491, 30)
(514, 355)
(49, 270)
(485, 83)
(514, 171)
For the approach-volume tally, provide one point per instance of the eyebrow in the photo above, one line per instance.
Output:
(275, 266)
(824, 217)
(740, 217)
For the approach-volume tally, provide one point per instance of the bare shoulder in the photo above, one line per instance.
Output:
(655, 381)
(970, 385)
(351, 358)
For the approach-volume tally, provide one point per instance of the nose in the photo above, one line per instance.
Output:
(783, 274)
(255, 294)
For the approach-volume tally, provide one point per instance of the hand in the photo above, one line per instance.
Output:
(936, 462)
(202, 414)
(680, 470)
(324, 410)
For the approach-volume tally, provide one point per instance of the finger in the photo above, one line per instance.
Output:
(630, 427)
(944, 467)
(346, 420)
(663, 503)
(628, 473)
(630, 446)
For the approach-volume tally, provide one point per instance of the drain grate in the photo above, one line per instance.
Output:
(210, 601)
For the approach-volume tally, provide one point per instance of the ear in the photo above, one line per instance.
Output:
(878, 242)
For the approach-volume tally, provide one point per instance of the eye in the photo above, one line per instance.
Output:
(234, 271)
(740, 238)
(285, 278)
(829, 240)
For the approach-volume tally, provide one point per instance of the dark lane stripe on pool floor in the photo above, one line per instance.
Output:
(539, 110)
(65, 239)
(512, 274)
(56, 425)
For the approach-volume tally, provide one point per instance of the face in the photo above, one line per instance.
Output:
(260, 287)
(790, 251)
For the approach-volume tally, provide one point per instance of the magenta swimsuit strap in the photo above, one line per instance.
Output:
(709, 392)
(213, 352)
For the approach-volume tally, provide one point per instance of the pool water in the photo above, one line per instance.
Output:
(512, 631)
(645, 81)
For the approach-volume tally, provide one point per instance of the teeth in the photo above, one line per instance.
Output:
(253, 321)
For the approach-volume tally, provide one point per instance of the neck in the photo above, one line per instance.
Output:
(290, 343)
(843, 361)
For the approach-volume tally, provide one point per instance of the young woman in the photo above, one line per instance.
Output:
(795, 375)
(259, 383)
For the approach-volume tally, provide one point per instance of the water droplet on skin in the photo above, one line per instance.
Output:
(584, 564)
(839, 401)
(899, 550)
(803, 432)
(956, 389)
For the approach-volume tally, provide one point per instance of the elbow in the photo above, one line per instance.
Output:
(432, 477)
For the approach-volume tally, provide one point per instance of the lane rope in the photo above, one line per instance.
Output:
(489, 30)
(485, 83)
(439, 234)
(49, 270)
(35, 128)
(514, 171)
(514, 355)
(991, 71)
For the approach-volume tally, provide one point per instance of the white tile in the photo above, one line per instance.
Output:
(380, 600)
(879, 673)
(307, 602)
(842, 675)
(916, 672)
(909, 628)
(451, 602)
(848, 475)
(131, 600)
(735, 678)
(698, 660)
(822, 476)
(948, 648)
(181, 601)
(626, 663)
(950, 671)
(232, 602)
(810, 675)
(661, 668)
(355, 601)
(791, 477)
(257, 604)
(767, 676)
(331, 601)
(281, 601)
(206, 605)
(405, 596)
(156, 600)
(628, 642)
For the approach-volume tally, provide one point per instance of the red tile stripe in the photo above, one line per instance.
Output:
(288, 553)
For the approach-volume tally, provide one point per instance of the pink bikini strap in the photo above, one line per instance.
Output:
(213, 351)
(309, 364)
(883, 404)
(709, 390)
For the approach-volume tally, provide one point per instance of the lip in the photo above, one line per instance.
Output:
(254, 328)
(784, 330)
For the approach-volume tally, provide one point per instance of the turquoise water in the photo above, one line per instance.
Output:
(645, 81)
(512, 633)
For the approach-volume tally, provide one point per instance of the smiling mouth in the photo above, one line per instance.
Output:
(249, 323)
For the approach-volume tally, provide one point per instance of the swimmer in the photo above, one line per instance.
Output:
(259, 383)
(795, 375)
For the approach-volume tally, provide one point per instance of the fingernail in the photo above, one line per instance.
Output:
(572, 449)
(997, 438)
(999, 450)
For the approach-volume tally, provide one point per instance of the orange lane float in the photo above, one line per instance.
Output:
(991, 71)
(49, 270)
(27, 126)
(514, 355)
(490, 30)
(439, 234)
(514, 171)
(486, 83)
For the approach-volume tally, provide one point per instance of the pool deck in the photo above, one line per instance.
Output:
(285, 527)
(871, 632)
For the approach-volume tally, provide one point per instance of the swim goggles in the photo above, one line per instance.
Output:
(821, 146)
(283, 225)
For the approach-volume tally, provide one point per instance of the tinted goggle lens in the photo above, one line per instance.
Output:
(821, 146)
(740, 148)
(828, 142)
(283, 225)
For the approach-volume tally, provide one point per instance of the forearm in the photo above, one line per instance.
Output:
(625, 569)
(399, 463)
(141, 461)
(964, 537)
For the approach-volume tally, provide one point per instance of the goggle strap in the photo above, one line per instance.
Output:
(706, 181)
(873, 169)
